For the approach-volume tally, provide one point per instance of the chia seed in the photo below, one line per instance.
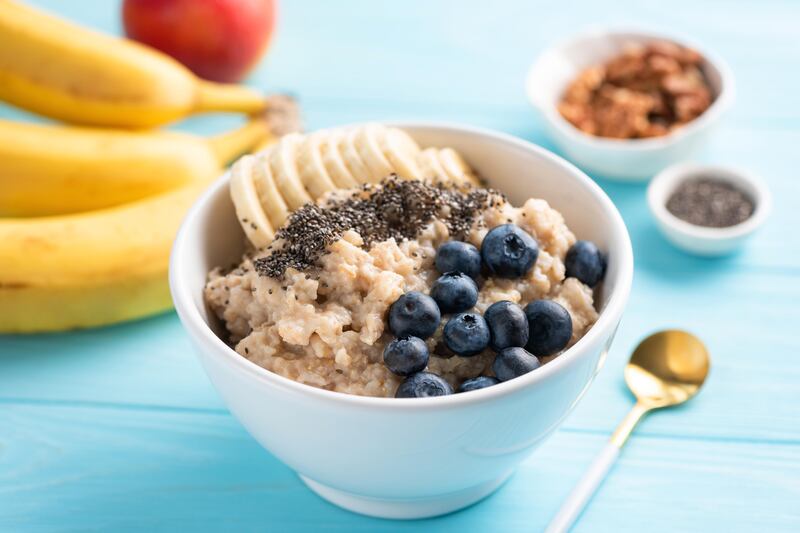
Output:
(710, 202)
(394, 208)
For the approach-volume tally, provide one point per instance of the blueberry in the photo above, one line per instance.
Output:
(508, 325)
(466, 334)
(481, 382)
(406, 356)
(459, 257)
(514, 362)
(585, 262)
(422, 385)
(454, 292)
(549, 327)
(509, 251)
(414, 315)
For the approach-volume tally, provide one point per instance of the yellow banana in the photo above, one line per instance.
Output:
(58, 69)
(49, 170)
(89, 269)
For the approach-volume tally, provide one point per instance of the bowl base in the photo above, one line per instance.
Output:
(405, 508)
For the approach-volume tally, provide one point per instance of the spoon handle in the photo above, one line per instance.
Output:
(583, 491)
(586, 487)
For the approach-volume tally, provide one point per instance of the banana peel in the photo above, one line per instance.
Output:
(108, 265)
(61, 70)
(89, 269)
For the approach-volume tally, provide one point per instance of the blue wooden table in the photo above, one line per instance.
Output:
(119, 429)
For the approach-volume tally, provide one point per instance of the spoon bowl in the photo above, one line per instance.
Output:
(667, 368)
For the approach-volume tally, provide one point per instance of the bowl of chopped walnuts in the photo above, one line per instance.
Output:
(625, 104)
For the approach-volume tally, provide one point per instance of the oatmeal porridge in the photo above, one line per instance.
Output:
(314, 306)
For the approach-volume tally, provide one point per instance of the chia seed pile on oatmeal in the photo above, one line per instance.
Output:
(352, 296)
(397, 209)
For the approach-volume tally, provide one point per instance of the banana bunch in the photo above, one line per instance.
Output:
(268, 186)
(88, 213)
(54, 170)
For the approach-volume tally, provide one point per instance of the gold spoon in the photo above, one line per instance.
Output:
(666, 369)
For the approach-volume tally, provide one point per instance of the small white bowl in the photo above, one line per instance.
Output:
(410, 458)
(702, 240)
(622, 159)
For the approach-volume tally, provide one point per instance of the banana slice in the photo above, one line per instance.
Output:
(354, 163)
(271, 200)
(310, 167)
(456, 167)
(284, 171)
(248, 207)
(332, 159)
(368, 145)
(430, 166)
(402, 152)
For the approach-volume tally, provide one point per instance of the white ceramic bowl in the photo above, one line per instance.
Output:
(699, 240)
(410, 458)
(629, 160)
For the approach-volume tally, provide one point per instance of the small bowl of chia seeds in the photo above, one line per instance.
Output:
(708, 210)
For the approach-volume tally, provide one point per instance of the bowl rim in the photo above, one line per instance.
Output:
(664, 183)
(609, 318)
(719, 105)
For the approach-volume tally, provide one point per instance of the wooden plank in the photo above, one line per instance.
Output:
(129, 469)
(478, 53)
(752, 391)
(148, 362)
(118, 429)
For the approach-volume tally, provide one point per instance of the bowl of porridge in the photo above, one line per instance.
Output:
(302, 314)
(626, 103)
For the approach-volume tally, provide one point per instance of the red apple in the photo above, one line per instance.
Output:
(219, 40)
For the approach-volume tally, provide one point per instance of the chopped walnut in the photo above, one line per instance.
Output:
(646, 91)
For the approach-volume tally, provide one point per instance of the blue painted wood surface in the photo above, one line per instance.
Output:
(119, 429)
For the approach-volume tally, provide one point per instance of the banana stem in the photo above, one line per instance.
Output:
(228, 145)
(213, 96)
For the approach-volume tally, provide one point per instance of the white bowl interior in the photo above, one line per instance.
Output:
(222, 245)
